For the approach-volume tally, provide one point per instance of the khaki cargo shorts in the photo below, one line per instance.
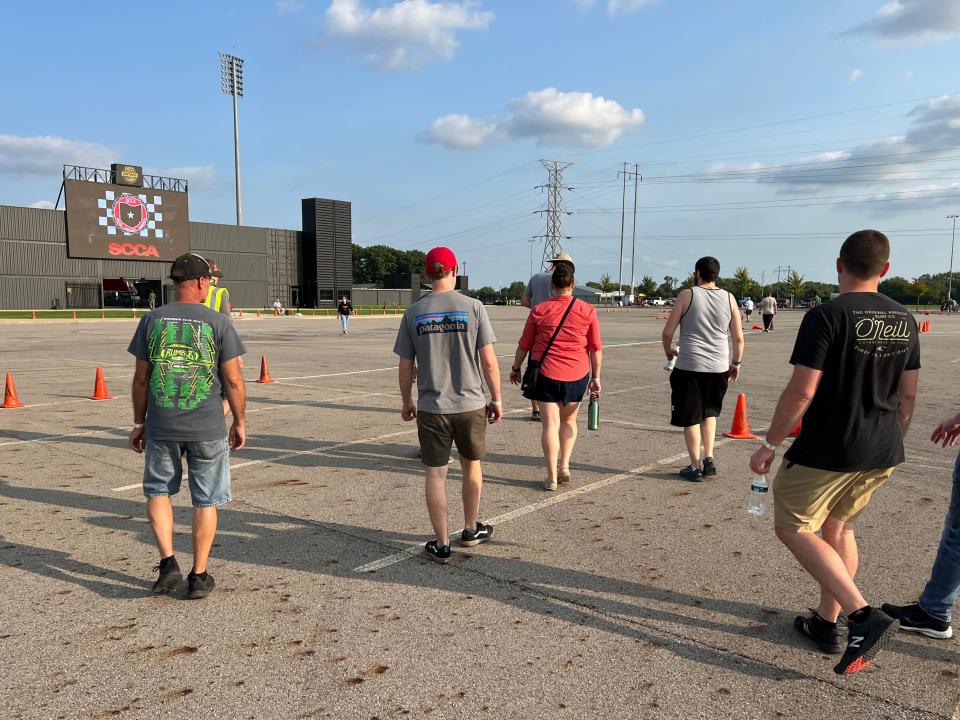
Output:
(804, 497)
(438, 432)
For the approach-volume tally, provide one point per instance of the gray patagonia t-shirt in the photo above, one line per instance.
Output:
(185, 344)
(539, 288)
(443, 332)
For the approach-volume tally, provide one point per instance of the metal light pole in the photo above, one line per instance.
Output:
(633, 253)
(231, 82)
(952, 240)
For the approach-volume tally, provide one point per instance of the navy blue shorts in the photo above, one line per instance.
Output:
(558, 391)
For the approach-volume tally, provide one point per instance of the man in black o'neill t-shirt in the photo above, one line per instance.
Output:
(856, 364)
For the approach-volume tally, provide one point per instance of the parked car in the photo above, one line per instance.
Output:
(656, 301)
(670, 302)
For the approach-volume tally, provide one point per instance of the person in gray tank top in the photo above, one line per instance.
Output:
(708, 319)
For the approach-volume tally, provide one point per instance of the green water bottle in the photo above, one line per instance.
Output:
(593, 413)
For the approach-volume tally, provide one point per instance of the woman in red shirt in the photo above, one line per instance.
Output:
(573, 364)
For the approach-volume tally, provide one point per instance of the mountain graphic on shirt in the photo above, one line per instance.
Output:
(452, 321)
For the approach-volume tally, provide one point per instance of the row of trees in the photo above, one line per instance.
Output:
(375, 263)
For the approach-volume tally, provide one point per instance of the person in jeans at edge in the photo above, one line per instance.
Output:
(344, 308)
(932, 613)
(708, 317)
(185, 353)
(856, 363)
(539, 288)
(448, 338)
(575, 359)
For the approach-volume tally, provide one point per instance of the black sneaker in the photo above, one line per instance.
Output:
(437, 553)
(914, 618)
(170, 576)
(691, 473)
(825, 635)
(864, 640)
(469, 538)
(200, 585)
(535, 416)
(709, 467)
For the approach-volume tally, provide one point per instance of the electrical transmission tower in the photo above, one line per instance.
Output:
(554, 211)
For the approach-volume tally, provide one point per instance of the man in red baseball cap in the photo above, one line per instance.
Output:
(448, 338)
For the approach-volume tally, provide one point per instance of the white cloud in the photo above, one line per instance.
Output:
(549, 116)
(933, 135)
(916, 198)
(919, 21)
(47, 154)
(42, 205)
(458, 131)
(404, 35)
(908, 75)
(855, 75)
(200, 177)
(615, 7)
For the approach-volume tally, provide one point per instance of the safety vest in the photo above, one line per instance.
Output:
(215, 298)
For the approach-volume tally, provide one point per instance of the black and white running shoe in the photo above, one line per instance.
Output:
(482, 533)
(437, 553)
(825, 635)
(914, 618)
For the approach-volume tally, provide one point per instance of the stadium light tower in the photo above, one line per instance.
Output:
(231, 82)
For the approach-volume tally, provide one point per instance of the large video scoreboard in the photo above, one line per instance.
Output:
(125, 221)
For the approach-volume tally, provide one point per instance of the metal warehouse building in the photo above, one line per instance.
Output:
(114, 243)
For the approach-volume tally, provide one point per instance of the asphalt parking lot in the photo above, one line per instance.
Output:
(629, 592)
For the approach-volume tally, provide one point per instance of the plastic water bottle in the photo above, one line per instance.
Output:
(757, 505)
(670, 363)
(593, 413)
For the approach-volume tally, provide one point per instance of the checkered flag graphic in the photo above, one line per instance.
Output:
(131, 214)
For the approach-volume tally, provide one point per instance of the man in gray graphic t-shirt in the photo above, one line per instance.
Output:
(448, 337)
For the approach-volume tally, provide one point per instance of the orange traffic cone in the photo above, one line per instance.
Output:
(929, 322)
(241, 314)
(258, 313)
(33, 316)
(103, 315)
(264, 371)
(100, 387)
(756, 327)
(796, 430)
(10, 399)
(741, 424)
(74, 314)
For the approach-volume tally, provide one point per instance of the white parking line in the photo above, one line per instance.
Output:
(48, 437)
(526, 510)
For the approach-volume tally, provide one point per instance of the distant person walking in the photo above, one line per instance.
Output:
(932, 613)
(445, 338)
(573, 363)
(185, 353)
(344, 309)
(709, 320)
(152, 300)
(856, 363)
(748, 308)
(539, 288)
(768, 308)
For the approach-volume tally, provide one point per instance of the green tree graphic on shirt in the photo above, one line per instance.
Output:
(183, 356)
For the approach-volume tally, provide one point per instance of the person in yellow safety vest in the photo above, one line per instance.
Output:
(218, 298)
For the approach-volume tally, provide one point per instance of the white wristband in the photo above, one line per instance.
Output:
(496, 402)
(137, 426)
(768, 446)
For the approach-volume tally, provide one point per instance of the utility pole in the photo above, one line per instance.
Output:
(633, 253)
(231, 82)
(953, 238)
(623, 218)
(554, 211)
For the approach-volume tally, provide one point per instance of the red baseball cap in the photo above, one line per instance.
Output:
(443, 256)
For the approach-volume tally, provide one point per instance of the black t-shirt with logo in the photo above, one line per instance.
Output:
(863, 343)
(344, 307)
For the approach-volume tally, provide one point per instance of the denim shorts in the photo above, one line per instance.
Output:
(208, 465)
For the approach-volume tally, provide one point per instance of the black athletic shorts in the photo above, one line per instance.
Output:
(562, 392)
(695, 396)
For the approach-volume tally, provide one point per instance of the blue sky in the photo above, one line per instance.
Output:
(765, 132)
